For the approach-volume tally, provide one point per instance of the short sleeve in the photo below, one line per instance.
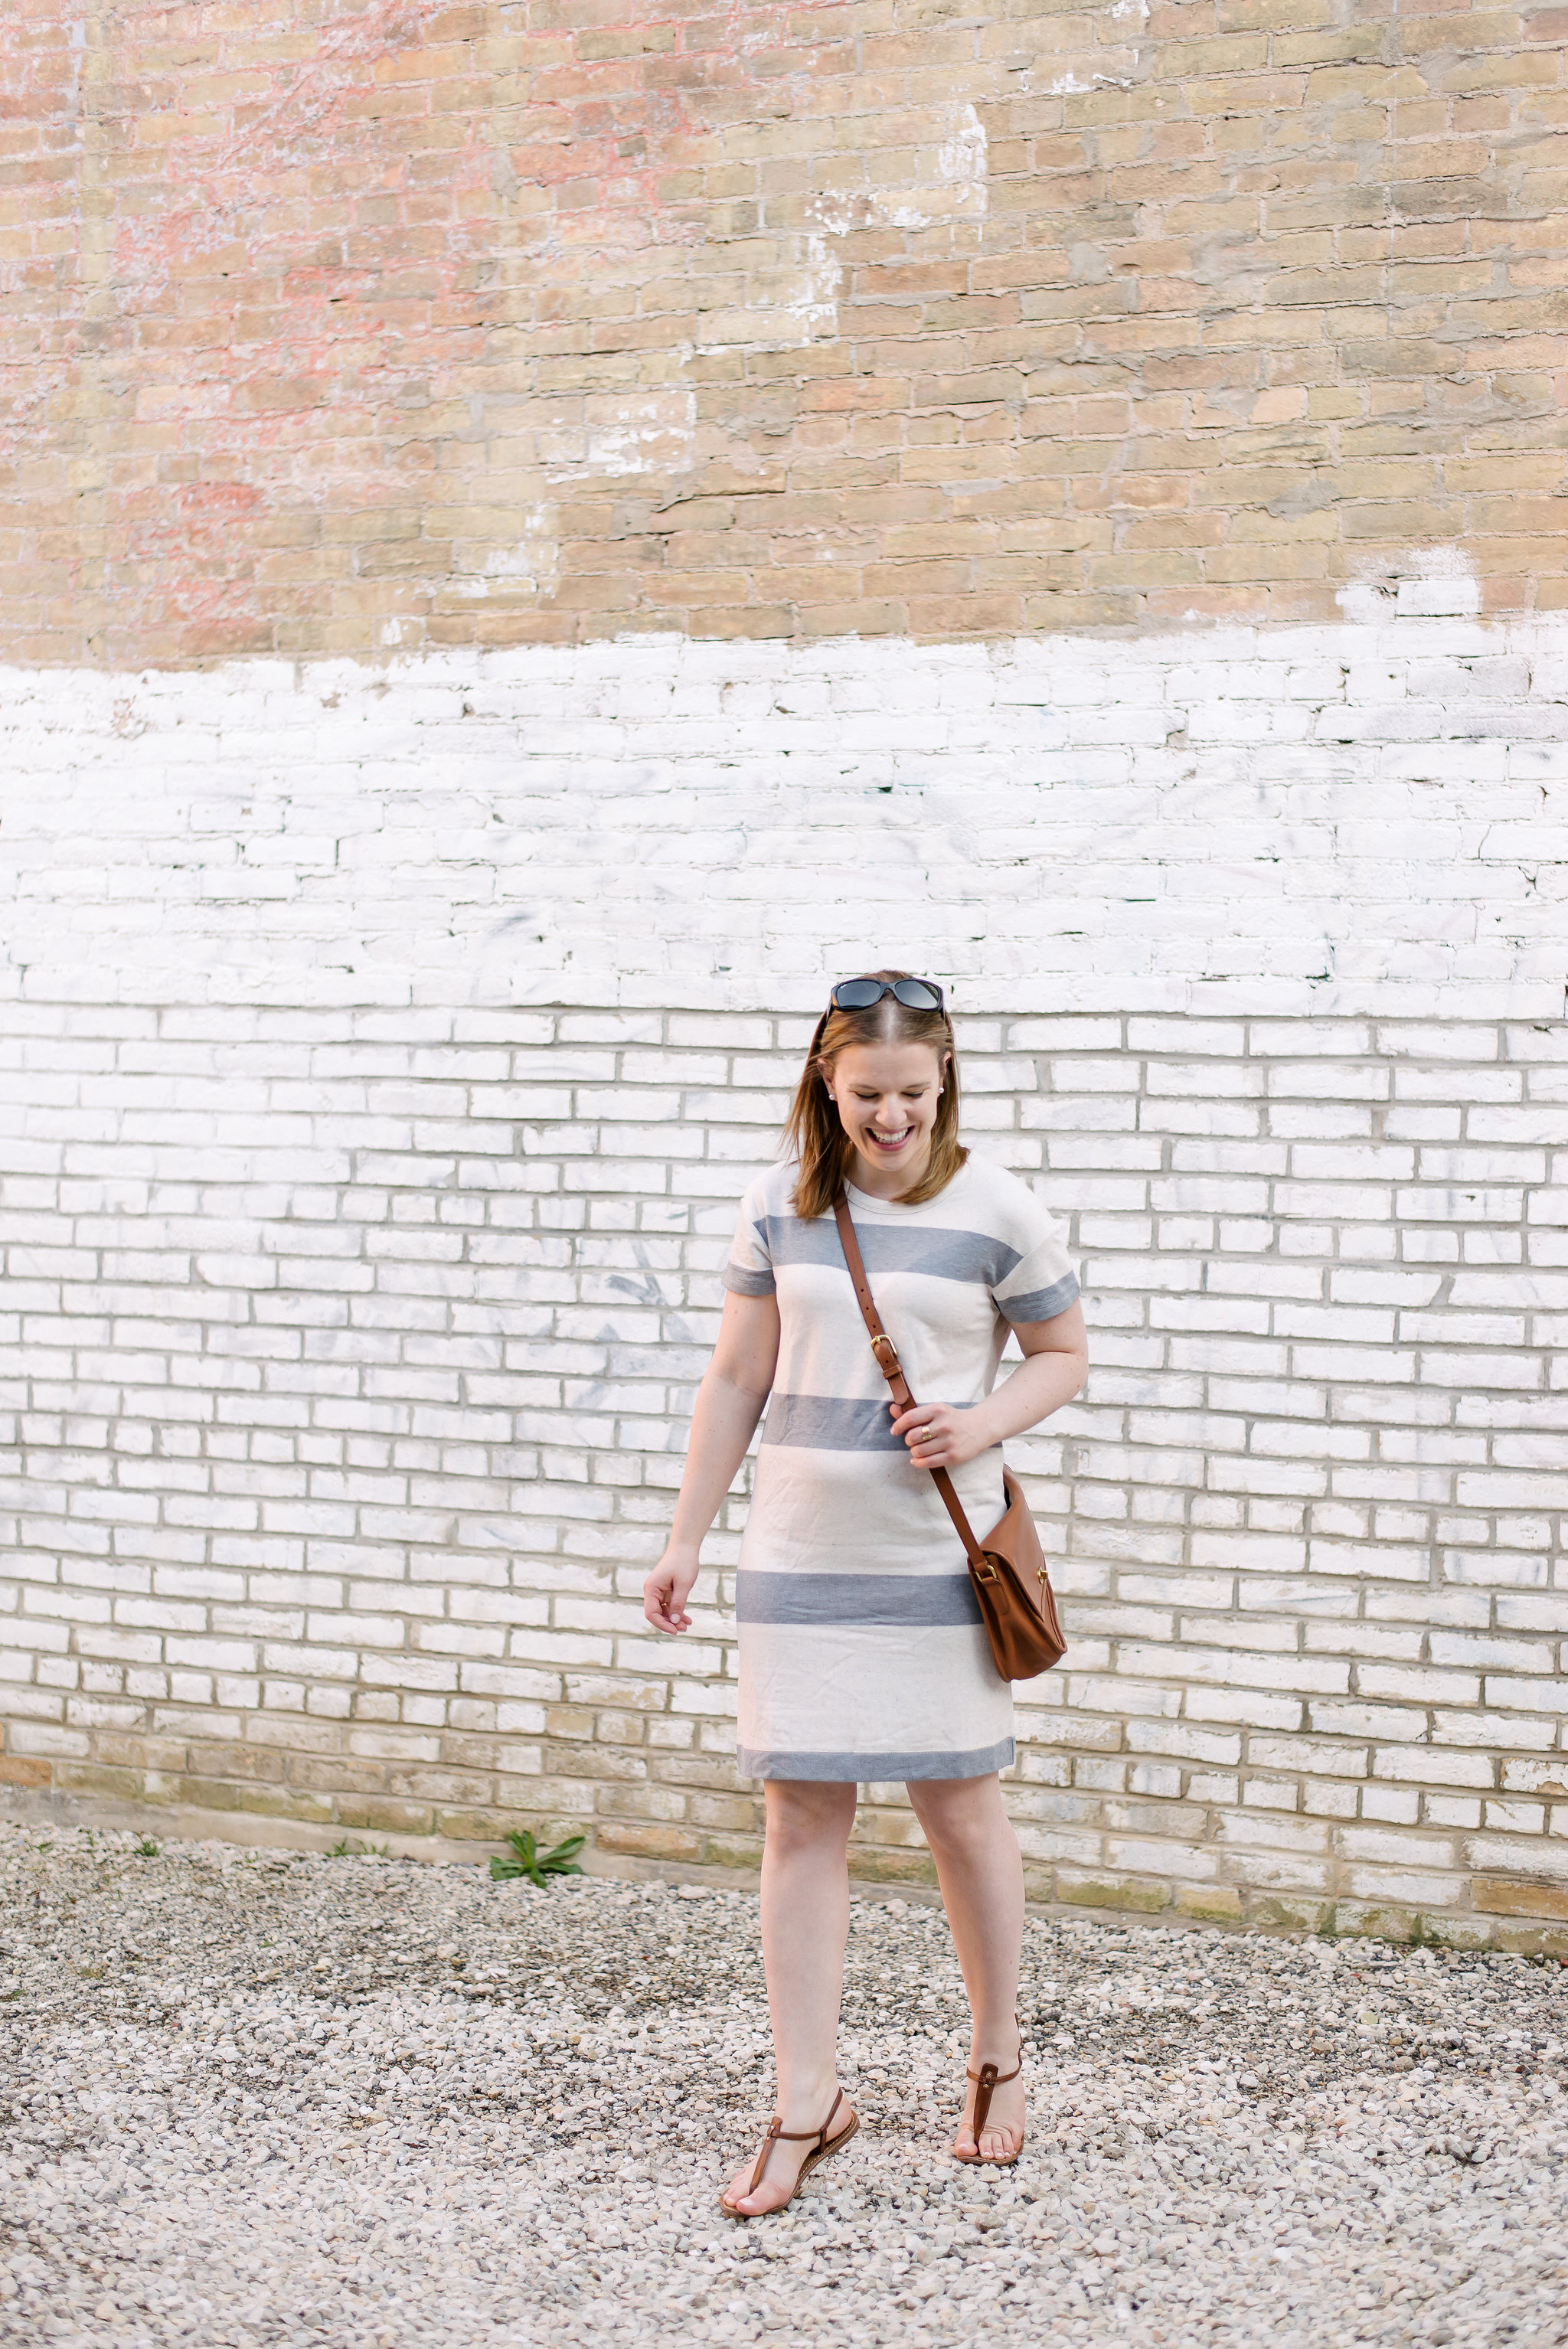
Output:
(749, 1272)
(1042, 1283)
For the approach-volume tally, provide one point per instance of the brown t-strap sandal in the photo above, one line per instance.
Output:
(986, 2080)
(825, 2144)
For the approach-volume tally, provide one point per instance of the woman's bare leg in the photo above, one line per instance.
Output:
(980, 1874)
(805, 1924)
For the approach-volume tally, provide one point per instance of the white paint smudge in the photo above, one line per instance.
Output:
(528, 566)
(794, 303)
(797, 301)
(623, 434)
(948, 181)
(951, 178)
(1426, 583)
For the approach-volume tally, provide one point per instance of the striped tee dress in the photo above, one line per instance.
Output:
(862, 1655)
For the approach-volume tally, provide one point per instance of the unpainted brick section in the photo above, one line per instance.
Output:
(346, 1360)
(391, 323)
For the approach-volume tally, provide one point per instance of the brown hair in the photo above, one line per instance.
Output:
(814, 1133)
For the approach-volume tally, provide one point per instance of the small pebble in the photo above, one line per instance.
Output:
(258, 2098)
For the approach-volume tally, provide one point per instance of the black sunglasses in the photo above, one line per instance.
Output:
(860, 994)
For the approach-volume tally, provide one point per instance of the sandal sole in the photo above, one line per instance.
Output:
(992, 2160)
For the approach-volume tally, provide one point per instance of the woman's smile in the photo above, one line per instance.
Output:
(888, 1094)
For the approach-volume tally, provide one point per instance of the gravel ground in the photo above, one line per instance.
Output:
(257, 2098)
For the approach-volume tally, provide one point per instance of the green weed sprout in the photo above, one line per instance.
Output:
(537, 1865)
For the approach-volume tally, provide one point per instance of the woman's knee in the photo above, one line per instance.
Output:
(804, 1814)
(958, 1814)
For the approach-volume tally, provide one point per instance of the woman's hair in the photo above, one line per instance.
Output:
(814, 1133)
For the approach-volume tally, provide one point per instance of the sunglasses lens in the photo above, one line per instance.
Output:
(860, 994)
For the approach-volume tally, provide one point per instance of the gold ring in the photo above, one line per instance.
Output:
(925, 1434)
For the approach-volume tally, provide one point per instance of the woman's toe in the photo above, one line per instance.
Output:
(767, 2197)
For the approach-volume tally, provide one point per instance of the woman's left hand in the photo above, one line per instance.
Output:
(940, 1435)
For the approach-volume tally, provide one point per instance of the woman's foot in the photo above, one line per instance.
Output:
(996, 2097)
(782, 2160)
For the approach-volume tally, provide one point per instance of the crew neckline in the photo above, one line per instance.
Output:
(866, 1203)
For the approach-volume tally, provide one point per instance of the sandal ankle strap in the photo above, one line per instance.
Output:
(794, 2136)
(988, 2072)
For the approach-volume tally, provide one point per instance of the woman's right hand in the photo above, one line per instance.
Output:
(667, 1589)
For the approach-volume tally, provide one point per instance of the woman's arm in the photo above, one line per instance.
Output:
(729, 1402)
(1054, 1366)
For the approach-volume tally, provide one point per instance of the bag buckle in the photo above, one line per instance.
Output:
(986, 1572)
(881, 1339)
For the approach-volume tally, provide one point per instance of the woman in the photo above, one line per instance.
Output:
(862, 1655)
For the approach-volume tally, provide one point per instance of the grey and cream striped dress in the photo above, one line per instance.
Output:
(861, 1650)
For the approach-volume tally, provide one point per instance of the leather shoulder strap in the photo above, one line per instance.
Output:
(892, 1370)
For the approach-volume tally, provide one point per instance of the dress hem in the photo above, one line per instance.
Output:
(866, 1769)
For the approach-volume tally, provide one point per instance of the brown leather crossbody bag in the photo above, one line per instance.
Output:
(1008, 1573)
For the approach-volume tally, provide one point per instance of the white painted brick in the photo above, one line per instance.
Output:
(1246, 1706)
(369, 1328)
(1367, 1721)
(1542, 1695)
(1515, 1817)
(1497, 1854)
(1474, 1726)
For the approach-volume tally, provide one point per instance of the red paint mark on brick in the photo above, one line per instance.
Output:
(312, 244)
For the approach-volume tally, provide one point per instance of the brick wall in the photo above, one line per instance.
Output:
(390, 323)
(529, 533)
(1361, 818)
(385, 1056)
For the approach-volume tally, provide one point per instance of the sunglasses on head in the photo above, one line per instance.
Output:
(860, 994)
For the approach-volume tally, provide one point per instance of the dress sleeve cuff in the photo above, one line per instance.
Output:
(1042, 1304)
(745, 1282)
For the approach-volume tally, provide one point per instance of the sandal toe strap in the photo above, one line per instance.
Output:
(986, 2079)
(777, 2136)
(769, 2142)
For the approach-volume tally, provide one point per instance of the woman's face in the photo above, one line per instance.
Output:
(886, 1096)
